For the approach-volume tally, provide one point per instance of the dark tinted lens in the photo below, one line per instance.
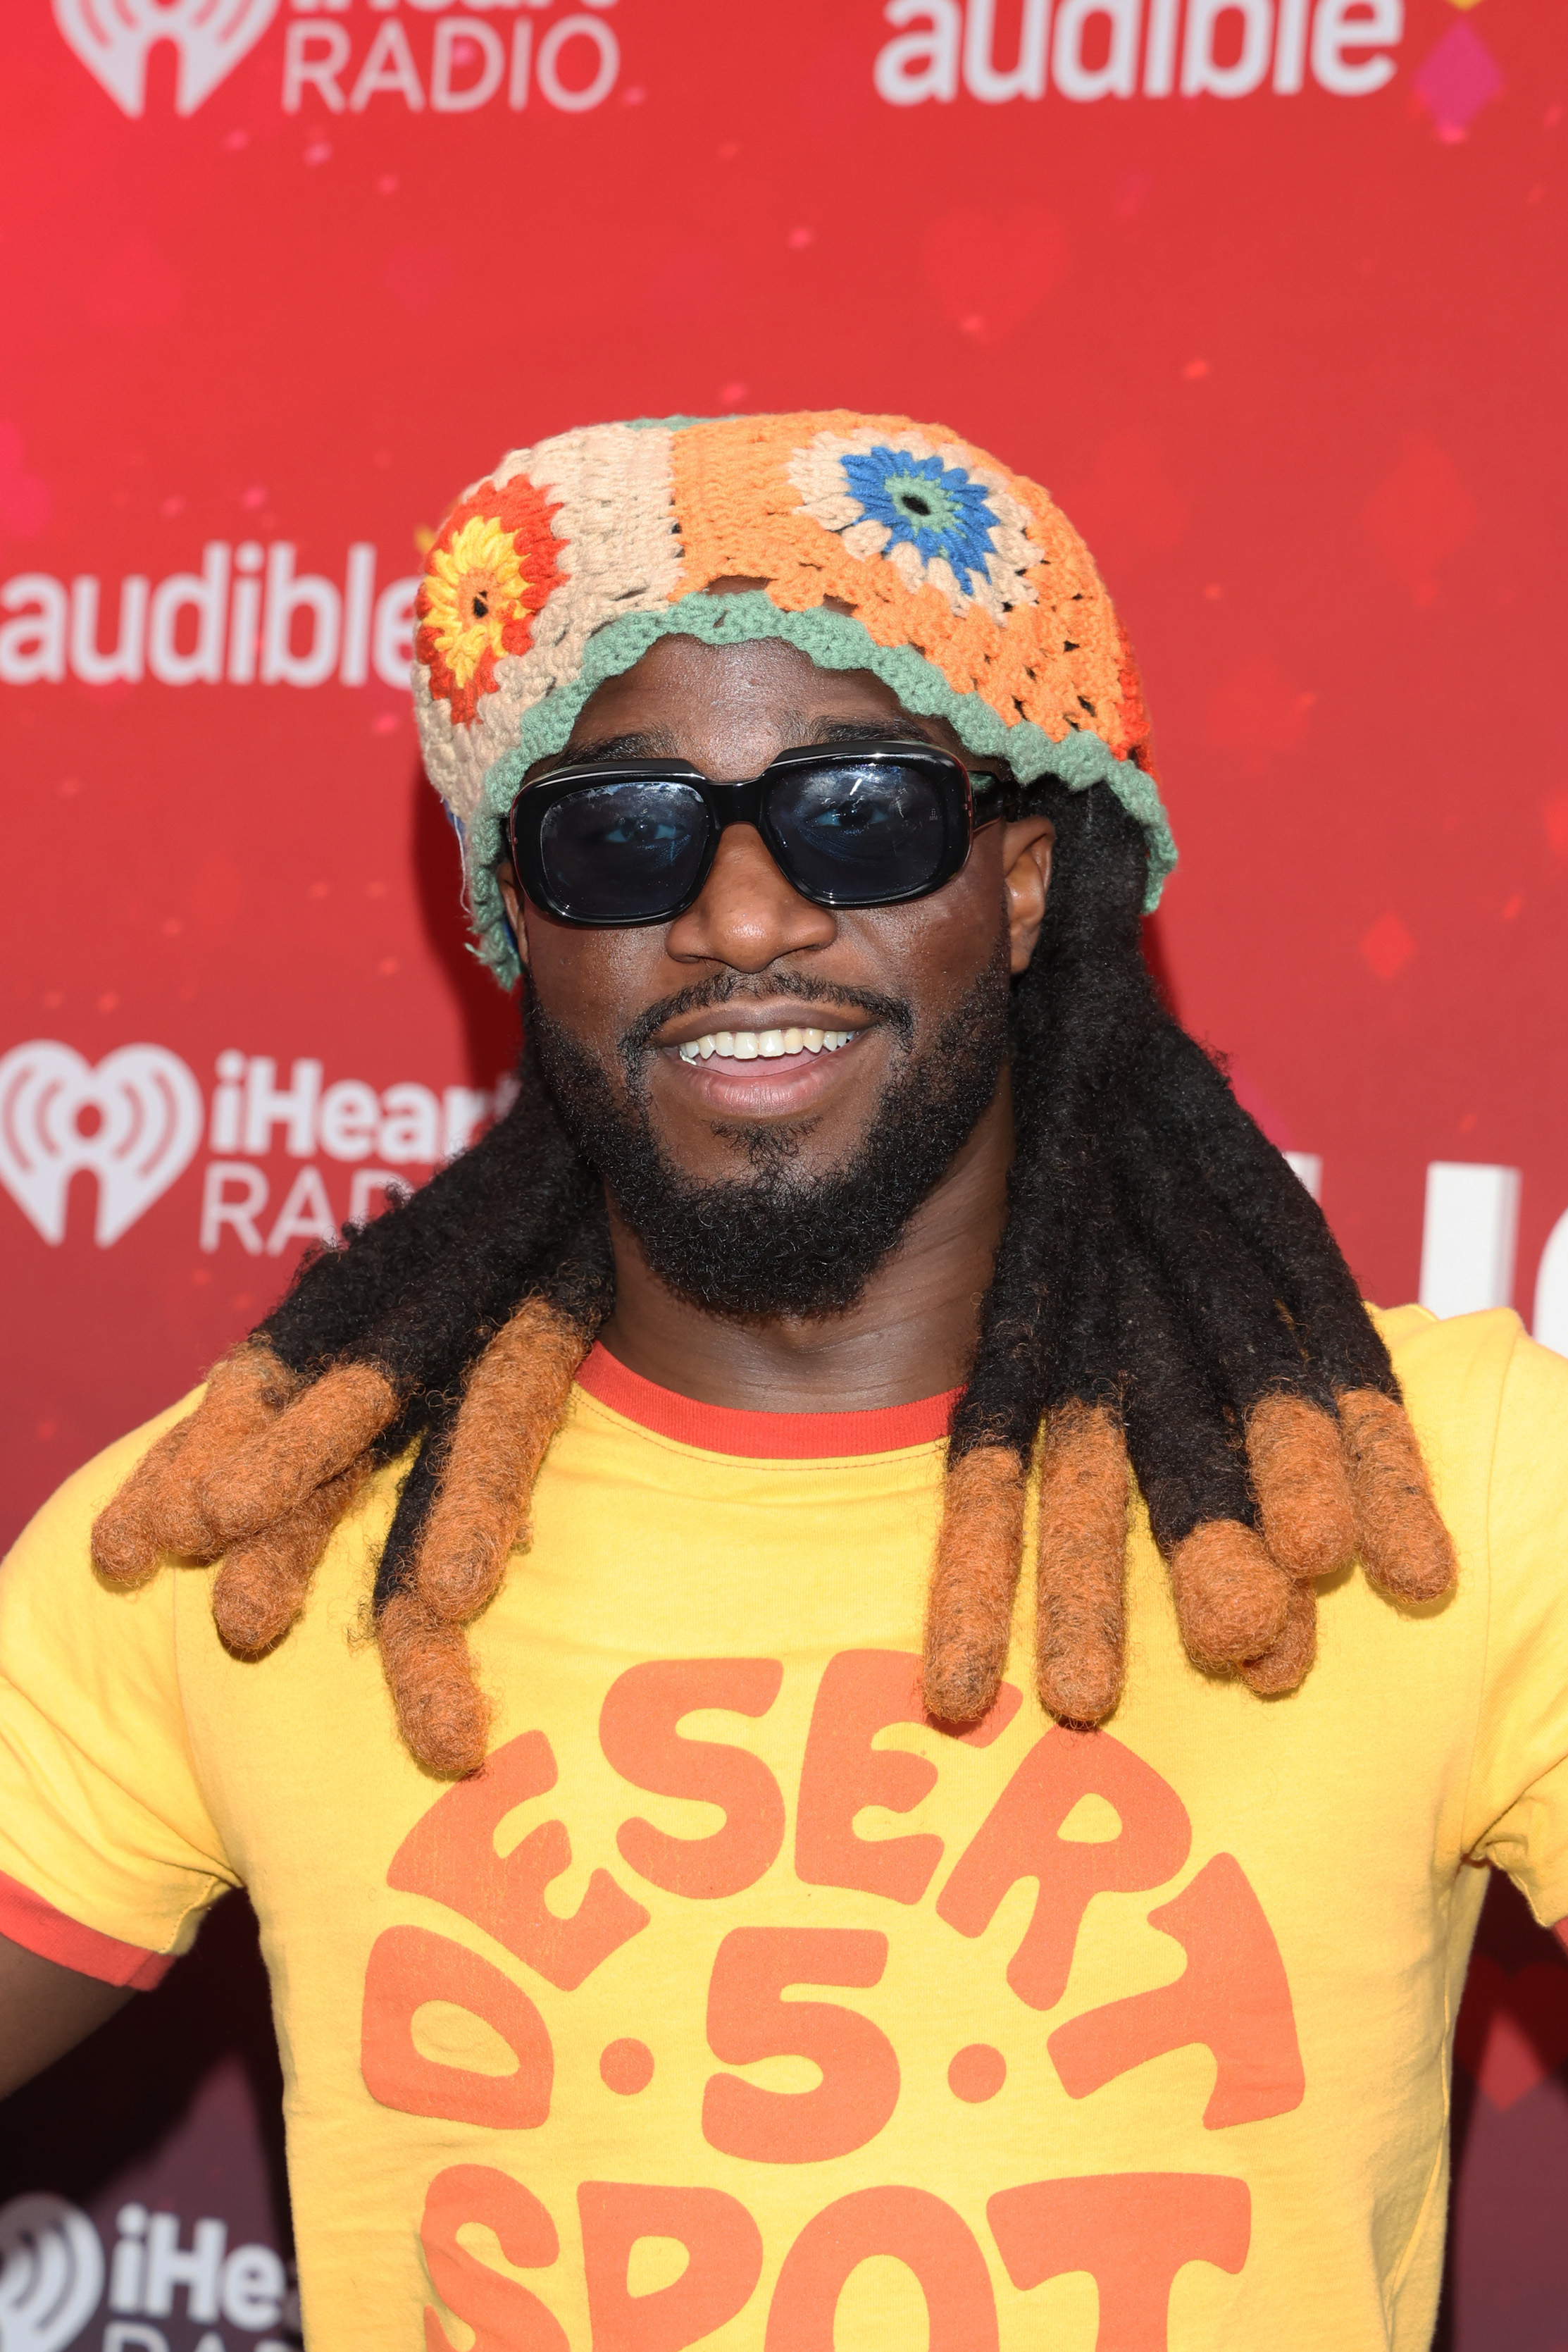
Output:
(860, 829)
(623, 852)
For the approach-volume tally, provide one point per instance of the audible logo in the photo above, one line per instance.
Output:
(1120, 49)
(248, 617)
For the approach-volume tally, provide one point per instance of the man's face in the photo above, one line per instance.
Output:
(917, 991)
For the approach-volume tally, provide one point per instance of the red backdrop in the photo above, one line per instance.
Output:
(1268, 293)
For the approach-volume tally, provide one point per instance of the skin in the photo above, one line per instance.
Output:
(730, 710)
(45, 2010)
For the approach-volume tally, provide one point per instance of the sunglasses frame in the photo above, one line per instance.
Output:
(747, 802)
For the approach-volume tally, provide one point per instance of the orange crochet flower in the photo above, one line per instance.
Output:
(492, 569)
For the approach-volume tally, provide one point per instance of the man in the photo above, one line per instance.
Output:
(649, 1844)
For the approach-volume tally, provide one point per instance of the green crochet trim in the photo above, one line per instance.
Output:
(833, 641)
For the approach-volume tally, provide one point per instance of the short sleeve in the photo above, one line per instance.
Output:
(102, 1824)
(1517, 1813)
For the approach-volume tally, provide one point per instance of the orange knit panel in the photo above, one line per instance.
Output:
(1060, 661)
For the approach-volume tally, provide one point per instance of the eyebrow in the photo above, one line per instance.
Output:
(864, 730)
(655, 743)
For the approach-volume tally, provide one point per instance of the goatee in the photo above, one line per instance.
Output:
(780, 1239)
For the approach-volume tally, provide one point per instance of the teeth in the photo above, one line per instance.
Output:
(762, 1045)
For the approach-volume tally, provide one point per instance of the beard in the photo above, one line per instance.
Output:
(782, 1239)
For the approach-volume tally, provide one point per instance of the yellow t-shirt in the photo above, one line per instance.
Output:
(731, 1997)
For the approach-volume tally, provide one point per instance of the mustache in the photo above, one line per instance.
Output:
(738, 988)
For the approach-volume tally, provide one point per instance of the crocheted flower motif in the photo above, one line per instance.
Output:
(489, 573)
(938, 518)
(937, 508)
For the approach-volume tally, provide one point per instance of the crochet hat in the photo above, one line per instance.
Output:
(884, 546)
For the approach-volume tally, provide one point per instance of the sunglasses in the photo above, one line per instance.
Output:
(629, 841)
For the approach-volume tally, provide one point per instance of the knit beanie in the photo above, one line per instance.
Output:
(884, 545)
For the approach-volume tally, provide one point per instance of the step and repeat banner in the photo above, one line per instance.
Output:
(1268, 293)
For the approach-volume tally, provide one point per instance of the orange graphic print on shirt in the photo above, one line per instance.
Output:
(1079, 1816)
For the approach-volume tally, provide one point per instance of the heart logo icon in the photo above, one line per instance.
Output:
(209, 41)
(51, 2274)
(147, 1111)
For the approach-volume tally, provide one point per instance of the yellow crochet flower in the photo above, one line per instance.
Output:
(472, 588)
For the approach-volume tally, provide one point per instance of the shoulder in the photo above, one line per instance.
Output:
(1487, 1401)
(1455, 1364)
(65, 1636)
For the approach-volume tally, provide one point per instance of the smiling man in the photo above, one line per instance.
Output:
(583, 1614)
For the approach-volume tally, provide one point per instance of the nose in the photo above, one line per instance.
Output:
(748, 914)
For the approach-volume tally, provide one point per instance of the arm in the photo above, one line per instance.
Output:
(1517, 1801)
(109, 1858)
(45, 2010)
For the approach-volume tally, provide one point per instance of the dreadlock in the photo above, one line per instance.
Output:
(1168, 1305)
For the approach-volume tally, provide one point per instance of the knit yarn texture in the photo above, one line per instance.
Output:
(885, 545)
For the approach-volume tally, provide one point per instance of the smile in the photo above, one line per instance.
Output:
(762, 1045)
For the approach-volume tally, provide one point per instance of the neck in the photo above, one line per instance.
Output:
(911, 1333)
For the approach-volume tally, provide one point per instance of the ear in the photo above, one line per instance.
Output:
(512, 898)
(1027, 847)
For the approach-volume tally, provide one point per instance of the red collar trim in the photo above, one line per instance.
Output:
(764, 1436)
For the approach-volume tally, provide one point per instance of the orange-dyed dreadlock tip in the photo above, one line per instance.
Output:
(1286, 1665)
(257, 1596)
(969, 1610)
(1297, 1463)
(442, 1713)
(1232, 1597)
(1080, 1605)
(517, 1394)
(1406, 1549)
(262, 1585)
(245, 1392)
(324, 1428)
(126, 1542)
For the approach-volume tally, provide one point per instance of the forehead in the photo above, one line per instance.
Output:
(764, 692)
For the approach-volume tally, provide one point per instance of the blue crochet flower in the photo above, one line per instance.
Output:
(937, 508)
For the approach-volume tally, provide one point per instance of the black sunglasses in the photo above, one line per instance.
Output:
(627, 841)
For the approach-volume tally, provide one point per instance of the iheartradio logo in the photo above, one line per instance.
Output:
(112, 39)
(51, 2274)
(572, 63)
(134, 1121)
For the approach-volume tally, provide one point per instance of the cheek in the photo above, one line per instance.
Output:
(935, 949)
(594, 983)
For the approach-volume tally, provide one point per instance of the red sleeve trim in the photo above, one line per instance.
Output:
(38, 1927)
(762, 1436)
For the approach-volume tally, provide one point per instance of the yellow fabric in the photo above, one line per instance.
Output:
(1281, 2166)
